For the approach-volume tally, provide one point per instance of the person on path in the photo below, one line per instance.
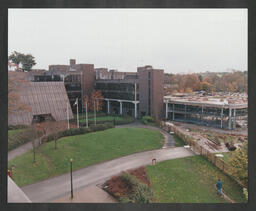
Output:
(219, 187)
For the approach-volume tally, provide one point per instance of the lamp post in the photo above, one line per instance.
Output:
(86, 114)
(68, 117)
(71, 177)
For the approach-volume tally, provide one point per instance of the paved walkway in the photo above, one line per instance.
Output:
(91, 194)
(168, 138)
(22, 149)
(57, 187)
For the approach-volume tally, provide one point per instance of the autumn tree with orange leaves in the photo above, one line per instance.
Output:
(95, 97)
(16, 82)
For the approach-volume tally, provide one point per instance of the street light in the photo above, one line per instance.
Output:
(71, 177)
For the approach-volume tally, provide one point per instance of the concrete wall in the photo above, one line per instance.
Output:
(15, 194)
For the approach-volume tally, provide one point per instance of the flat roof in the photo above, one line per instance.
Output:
(208, 101)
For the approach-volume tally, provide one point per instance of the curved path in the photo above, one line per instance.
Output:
(57, 187)
(169, 141)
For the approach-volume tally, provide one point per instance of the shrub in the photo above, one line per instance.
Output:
(126, 120)
(14, 127)
(23, 137)
(125, 200)
(129, 179)
(141, 193)
(148, 120)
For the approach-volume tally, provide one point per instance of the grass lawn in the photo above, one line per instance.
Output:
(104, 118)
(178, 140)
(14, 132)
(190, 180)
(85, 150)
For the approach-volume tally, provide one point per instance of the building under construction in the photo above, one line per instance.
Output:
(226, 113)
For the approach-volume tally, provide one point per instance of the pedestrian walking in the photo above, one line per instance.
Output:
(219, 187)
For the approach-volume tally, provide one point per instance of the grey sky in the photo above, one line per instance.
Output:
(177, 40)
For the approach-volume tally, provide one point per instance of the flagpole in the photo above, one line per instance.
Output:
(94, 113)
(77, 114)
(68, 116)
(86, 115)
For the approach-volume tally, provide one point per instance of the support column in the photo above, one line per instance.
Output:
(108, 107)
(202, 113)
(230, 119)
(173, 114)
(185, 111)
(166, 110)
(221, 123)
(135, 99)
(234, 120)
(121, 107)
(135, 110)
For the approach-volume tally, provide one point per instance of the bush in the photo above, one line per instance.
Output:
(126, 120)
(129, 179)
(141, 193)
(148, 120)
(230, 146)
(14, 127)
(23, 137)
(77, 131)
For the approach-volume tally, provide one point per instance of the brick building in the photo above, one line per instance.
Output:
(126, 93)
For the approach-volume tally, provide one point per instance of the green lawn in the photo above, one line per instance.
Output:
(190, 180)
(104, 118)
(85, 150)
(14, 132)
(178, 140)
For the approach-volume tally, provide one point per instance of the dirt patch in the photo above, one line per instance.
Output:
(140, 173)
(118, 188)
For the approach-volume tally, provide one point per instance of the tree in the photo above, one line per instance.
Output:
(206, 86)
(200, 77)
(239, 164)
(95, 97)
(16, 82)
(188, 90)
(26, 60)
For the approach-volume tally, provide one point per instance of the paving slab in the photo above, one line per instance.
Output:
(91, 194)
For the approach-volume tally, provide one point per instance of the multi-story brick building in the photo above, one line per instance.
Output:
(126, 93)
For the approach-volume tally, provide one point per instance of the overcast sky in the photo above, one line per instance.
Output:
(176, 40)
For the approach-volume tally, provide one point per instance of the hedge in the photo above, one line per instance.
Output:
(127, 120)
(90, 115)
(23, 137)
(15, 127)
(77, 131)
